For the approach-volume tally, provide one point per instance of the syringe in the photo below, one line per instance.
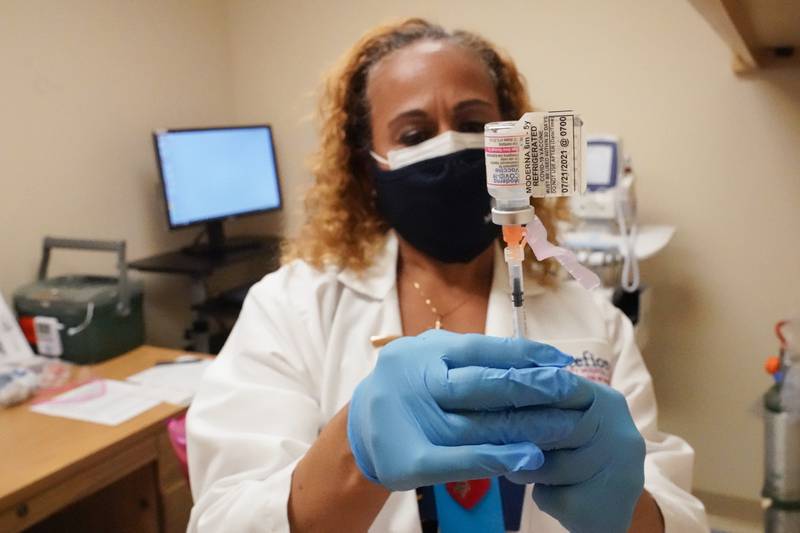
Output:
(514, 237)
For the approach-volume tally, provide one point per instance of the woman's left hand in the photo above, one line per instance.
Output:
(591, 480)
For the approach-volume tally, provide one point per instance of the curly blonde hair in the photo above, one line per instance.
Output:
(342, 225)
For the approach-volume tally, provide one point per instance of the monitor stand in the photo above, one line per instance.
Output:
(218, 245)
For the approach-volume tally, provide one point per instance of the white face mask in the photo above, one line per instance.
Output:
(445, 144)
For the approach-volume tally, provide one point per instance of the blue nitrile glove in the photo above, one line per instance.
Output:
(445, 407)
(591, 481)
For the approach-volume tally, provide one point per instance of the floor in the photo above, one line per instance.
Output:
(727, 514)
(721, 524)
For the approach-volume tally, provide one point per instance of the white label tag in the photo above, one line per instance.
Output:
(13, 345)
(48, 336)
(552, 153)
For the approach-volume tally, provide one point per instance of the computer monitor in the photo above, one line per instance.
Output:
(211, 174)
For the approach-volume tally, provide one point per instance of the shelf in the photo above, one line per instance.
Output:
(761, 34)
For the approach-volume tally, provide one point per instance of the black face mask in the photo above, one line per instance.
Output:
(440, 205)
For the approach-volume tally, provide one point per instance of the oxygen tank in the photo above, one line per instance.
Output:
(782, 434)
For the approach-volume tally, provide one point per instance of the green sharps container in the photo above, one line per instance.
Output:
(82, 318)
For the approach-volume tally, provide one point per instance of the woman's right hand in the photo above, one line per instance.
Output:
(444, 407)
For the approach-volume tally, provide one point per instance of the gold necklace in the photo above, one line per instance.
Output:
(438, 317)
(382, 340)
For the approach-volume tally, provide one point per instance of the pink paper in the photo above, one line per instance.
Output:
(536, 235)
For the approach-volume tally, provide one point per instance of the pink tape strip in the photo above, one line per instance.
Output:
(536, 235)
(94, 389)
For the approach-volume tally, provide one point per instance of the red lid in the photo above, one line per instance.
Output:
(772, 364)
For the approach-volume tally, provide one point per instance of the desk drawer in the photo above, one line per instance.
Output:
(129, 505)
(94, 477)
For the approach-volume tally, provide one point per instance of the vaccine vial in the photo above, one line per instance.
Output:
(506, 181)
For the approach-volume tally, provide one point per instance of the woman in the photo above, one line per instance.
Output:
(306, 423)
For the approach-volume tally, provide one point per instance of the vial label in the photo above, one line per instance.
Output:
(540, 154)
(502, 160)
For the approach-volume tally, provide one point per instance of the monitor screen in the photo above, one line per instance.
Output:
(216, 173)
(601, 165)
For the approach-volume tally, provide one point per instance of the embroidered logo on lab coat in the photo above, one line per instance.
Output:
(591, 366)
(593, 358)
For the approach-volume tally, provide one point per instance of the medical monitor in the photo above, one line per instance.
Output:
(211, 174)
(603, 163)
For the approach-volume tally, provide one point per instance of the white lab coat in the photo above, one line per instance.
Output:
(300, 347)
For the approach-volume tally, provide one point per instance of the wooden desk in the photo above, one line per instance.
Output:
(50, 463)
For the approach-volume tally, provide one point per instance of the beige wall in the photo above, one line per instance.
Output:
(84, 83)
(716, 155)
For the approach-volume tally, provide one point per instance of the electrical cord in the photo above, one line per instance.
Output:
(630, 264)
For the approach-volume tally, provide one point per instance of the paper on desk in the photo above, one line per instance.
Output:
(165, 394)
(173, 383)
(104, 401)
